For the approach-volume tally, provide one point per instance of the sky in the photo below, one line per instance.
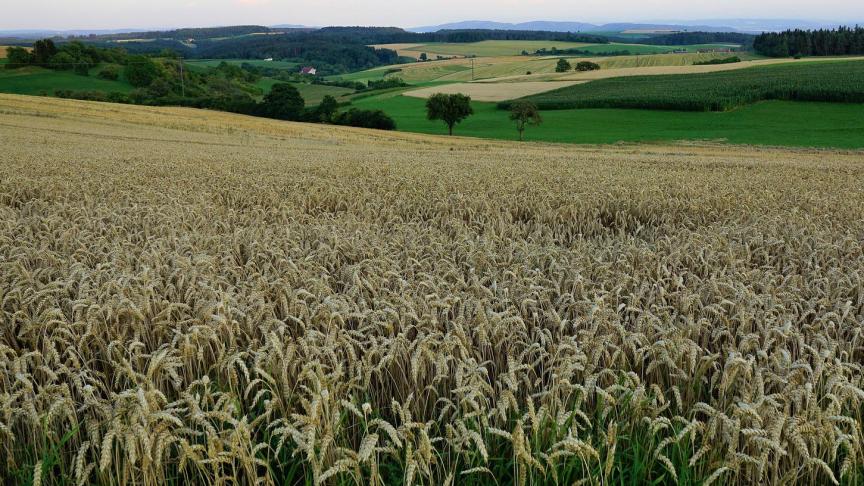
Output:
(121, 14)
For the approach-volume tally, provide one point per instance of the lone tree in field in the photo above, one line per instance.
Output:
(283, 102)
(524, 113)
(563, 66)
(449, 108)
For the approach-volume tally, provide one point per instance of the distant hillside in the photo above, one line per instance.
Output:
(553, 26)
(710, 25)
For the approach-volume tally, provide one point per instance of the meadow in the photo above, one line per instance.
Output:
(44, 82)
(771, 123)
(202, 297)
(718, 91)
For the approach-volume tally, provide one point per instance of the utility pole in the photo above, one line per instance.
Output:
(472, 69)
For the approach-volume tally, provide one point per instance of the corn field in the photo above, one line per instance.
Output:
(194, 297)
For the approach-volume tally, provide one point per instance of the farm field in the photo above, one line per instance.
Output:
(493, 91)
(41, 81)
(497, 48)
(772, 123)
(717, 91)
(190, 296)
(514, 68)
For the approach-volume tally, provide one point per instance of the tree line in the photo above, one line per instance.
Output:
(842, 41)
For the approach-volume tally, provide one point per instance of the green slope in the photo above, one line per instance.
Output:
(795, 124)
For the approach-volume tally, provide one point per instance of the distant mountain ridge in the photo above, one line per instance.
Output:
(715, 25)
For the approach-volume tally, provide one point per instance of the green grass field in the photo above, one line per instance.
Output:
(719, 91)
(41, 81)
(781, 123)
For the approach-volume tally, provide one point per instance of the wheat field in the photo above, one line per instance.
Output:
(198, 297)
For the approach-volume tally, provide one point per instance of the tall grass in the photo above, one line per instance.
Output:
(224, 300)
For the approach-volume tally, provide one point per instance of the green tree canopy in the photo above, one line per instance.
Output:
(18, 57)
(141, 71)
(524, 113)
(327, 109)
(449, 108)
(563, 66)
(284, 102)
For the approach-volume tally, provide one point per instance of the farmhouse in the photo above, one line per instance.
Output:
(308, 70)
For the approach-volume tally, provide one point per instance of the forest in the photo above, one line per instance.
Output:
(843, 41)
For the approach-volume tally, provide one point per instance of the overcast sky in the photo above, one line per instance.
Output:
(111, 14)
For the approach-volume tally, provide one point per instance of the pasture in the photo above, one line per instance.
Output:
(774, 123)
(199, 297)
(44, 82)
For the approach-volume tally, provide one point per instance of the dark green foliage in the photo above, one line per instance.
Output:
(43, 51)
(423, 57)
(843, 41)
(524, 113)
(693, 38)
(283, 102)
(725, 60)
(563, 66)
(587, 66)
(449, 108)
(835, 82)
(376, 119)
(387, 83)
(141, 71)
(579, 52)
(18, 57)
(110, 72)
(326, 109)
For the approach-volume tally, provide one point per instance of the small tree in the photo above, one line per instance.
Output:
(283, 102)
(563, 66)
(449, 108)
(423, 56)
(18, 57)
(43, 51)
(524, 113)
(327, 109)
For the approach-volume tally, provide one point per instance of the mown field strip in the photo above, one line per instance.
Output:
(493, 91)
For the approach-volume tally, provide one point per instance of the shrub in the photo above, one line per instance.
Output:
(587, 66)
(563, 66)
(376, 119)
(725, 60)
(110, 72)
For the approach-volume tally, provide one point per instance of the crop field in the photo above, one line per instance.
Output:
(719, 91)
(496, 48)
(193, 296)
(515, 68)
(493, 91)
(493, 48)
